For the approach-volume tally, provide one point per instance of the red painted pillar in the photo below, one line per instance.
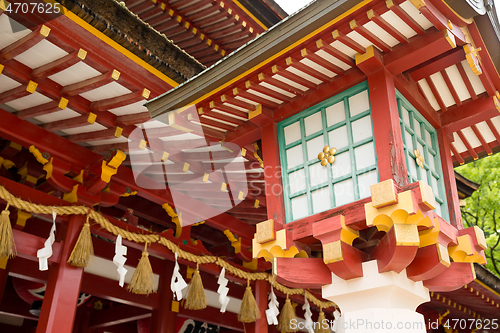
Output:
(4, 275)
(450, 183)
(386, 127)
(164, 320)
(260, 326)
(63, 286)
(272, 173)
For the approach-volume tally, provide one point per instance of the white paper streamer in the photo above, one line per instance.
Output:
(46, 252)
(336, 314)
(177, 283)
(119, 259)
(308, 315)
(223, 290)
(272, 312)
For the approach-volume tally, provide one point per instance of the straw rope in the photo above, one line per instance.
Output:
(154, 238)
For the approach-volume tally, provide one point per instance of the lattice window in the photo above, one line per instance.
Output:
(343, 122)
(419, 135)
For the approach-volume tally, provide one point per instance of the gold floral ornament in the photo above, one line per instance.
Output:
(327, 155)
(419, 158)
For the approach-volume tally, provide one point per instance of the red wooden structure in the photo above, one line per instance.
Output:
(73, 131)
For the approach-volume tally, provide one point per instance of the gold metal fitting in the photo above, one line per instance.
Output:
(327, 155)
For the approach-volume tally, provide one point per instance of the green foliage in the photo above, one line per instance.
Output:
(483, 207)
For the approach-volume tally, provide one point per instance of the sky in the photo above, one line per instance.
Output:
(291, 6)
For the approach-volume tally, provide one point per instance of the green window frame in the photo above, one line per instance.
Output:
(334, 179)
(417, 132)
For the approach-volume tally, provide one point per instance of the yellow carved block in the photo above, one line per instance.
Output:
(481, 241)
(175, 304)
(118, 131)
(265, 232)
(427, 195)
(117, 160)
(405, 203)
(443, 255)
(71, 196)
(115, 75)
(1, 66)
(406, 234)
(462, 250)
(347, 235)
(38, 155)
(185, 168)
(22, 216)
(280, 242)
(164, 157)
(92, 118)
(383, 193)
(143, 144)
(63, 103)
(4, 260)
(256, 112)
(82, 54)
(44, 31)
(205, 177)
(252, 265)
(332, 252)
(48, 168)
(256, 203)
(430, 236)
(31, 88)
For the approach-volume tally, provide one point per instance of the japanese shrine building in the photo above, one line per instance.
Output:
(312, 153)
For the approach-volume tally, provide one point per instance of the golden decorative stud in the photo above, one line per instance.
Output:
(327, 155)
(419, 158)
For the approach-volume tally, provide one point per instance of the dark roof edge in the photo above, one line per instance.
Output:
(266, 11)
(488, 278)
(127, 29)
(279, 37)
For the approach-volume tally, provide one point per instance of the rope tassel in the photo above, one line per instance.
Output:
(323, 326)
(286, 317)
(7, 245)
(83, 250)
(142, 281)
(249, 310)
(196, 298)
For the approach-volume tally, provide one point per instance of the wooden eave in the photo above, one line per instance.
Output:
(430, 70)
(206, 29)
(137, 36)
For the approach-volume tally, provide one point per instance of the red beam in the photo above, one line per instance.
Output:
(450, 86)
(435, 93)
(106, 134)
(24, 43)
(469, 113)
(80, 157)
(27, 246)
(405, 17)
(88, 85)
(39, 110)
(456, 154)
(372, 15)
(419, 50)
(66, 123)
(471, 150)
(116, 102)
(116, 315)
(452, 57)
(466, 80)
(293, 77)
(306, 54)
(307, 70)
(323, 45)
(411, 92)
(337, 35)
(58, 65)
(132, 119)
(352, 77)
(370, 36)
(481, 139)
(15, 93)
